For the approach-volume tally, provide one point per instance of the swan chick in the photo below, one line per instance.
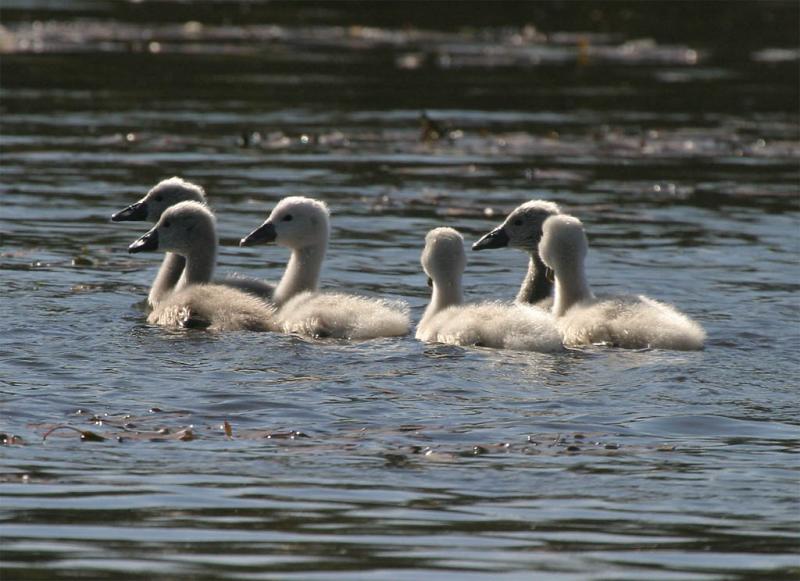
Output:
(343, 316)
(488, 324)
(522, 229)
(631, 322)
(303, 225)
(163, 195)
(188, 229)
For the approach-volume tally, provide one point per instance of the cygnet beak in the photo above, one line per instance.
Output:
(430, 282)
(497, 238)
(264, 234)
(133, 213)
(549, 274)
(147, 242)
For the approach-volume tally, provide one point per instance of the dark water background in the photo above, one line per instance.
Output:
(671, 129)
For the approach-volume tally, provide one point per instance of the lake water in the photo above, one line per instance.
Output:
(670, 129)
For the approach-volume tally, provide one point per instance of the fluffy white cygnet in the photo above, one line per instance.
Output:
(303, 225)
(622, 321)
(343, 316)
(489, 324)
(188, 229)
(522, 229)
(163, 195)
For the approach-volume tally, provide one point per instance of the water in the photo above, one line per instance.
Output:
(673, 134)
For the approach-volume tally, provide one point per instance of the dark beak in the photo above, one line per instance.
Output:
(430, 282)
(549, 274)
(497, 238)
(264, 234)
(133, 213)
(147, 242)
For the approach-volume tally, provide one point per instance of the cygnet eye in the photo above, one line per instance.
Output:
(287, 218)
(517, 222)
(166, 224)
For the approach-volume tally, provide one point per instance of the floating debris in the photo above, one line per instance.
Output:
(10, 440)
(248, 139)
(82, 261)
(431, 130)
(170, 426)
(396, 460)
(86, 435)
(186, 435)
(292, 435)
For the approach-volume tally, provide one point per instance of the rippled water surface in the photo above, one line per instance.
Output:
(671, 130)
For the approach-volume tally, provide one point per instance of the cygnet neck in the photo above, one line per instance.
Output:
(535, 287)
(200, 260)
(168, 276)
(302, 272)
(571, 287)
(446, 293)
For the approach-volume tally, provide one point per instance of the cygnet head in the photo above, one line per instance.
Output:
(163, 195)
(179, 230)
(564, 245)
(296, 222)
(443, 258)
(522, 228)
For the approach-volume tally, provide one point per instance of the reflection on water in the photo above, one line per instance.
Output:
(270, 457)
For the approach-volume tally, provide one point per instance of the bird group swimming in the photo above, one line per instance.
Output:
(554, 309)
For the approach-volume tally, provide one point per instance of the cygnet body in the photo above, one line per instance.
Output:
(303, 225)
(188, 229)
(631, 322)
(489, 324)
(164, 195)
(522, 229)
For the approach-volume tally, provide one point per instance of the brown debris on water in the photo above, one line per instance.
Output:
(10, 440)
(394, 460)
(291, 435)
(401, 446)
(82, 261)
(431, 130)
(86, 435)
(186, 435)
